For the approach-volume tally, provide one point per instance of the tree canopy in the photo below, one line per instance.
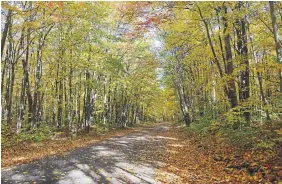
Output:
(73, 65)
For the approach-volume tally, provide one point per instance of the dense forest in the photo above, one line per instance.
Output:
(71, 65)
(77, 65)
(206, 77)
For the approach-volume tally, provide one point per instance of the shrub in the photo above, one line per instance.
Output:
(259, 138)
(41, 133)
(99, 128)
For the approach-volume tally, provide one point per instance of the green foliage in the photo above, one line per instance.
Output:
(99, 128)
(114, 62)
(203, 126)
(251, 138)
(234, 116)
(267, 144)
(245, 137)
(258, 138)
(41, 133)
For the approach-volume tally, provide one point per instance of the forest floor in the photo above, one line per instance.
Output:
(162, 153)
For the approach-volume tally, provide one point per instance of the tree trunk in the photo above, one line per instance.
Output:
(229, 68)
(124, 108)
(38, 74)
(67, 110)
(212, 49)
(244, 81)
(21, 107)
(276, 38)
(260, 81)
(78, 104)
(60, 104)
(70, 101)
(7, 94)
(87, 101)
(3, 73)
(105, 110)
(5, 32)
(259, 76)
(10, 101)
(26, 82)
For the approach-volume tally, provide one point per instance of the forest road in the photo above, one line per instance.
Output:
(124, 159)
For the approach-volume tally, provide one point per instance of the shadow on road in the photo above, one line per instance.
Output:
(117, 160)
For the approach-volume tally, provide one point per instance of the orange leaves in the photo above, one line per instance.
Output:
(51, 5)
(127, 7)
(61, 4)
(247, 156)
(185, 160)
(26, 152)
(203, 160)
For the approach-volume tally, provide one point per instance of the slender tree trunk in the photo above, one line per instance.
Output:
(60, 104)
(21, 107)
(183, 105)
(123, 114)
(87, 101)
(41, 101)
(276, 39)
(229, 68)
(221, 45)
(212, 49)
(38, 74)
(105, 111)
(67, 110)
(70, 102)
(187, 117)
(132, 115)
(117, 121)
(55, 100)
(114, 107)
(109, 110)
(28, 92)
(259, 76)
(5, 32)
(78, 104)
(244, 79)
(260, 81)
(7, 94)
(3, 73)
(10, 101)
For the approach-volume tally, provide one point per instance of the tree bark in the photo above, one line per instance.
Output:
(60, 105)
(276, 39)
(5, 32)
(229, 68)
(26, 82)
(87, 101)
(8, 82)
(244, 76)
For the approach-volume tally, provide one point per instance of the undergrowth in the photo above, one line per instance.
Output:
(254, 150)
(44, 132)
(9, 138)
(254, 137)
